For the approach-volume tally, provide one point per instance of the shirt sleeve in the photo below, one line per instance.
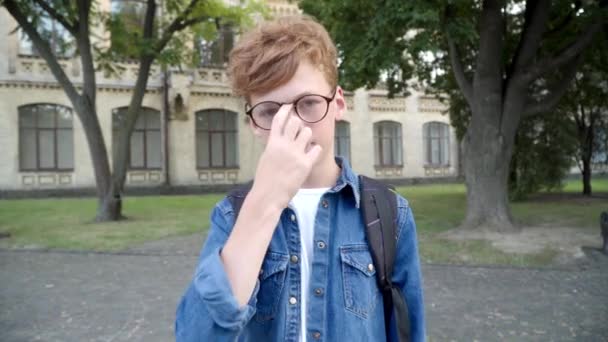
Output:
(406, 272)
(209, 311)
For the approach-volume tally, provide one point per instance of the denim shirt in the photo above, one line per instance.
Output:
(344, 302)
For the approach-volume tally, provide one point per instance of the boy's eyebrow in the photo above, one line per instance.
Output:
(293, 98)
(304, 93)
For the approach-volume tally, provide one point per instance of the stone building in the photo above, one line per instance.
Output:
(205, 133)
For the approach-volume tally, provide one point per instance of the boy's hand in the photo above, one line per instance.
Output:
(287, 159)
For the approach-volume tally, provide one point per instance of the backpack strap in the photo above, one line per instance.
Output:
(379, 212)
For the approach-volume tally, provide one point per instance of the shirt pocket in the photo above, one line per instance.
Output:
(361, 292)
(272, 280)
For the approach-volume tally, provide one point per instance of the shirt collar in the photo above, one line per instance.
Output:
(347, 178)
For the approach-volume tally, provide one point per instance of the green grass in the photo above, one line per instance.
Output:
(597, 185)
(68, 223)
(438, 208)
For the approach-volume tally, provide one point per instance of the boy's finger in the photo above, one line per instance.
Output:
(304, 137)
(314, 153)
(292, 127)
(279, 120)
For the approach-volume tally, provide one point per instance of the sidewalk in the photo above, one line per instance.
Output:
(58, 296)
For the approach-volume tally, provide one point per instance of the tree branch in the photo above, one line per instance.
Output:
(489, 67)
(179, 23)
(44, 50)
(536, 16)
(60, 18)
(565, 56)
(192, 21)
(551, 100)
(149, 19)
(577, 6)
(464, 84)
(83, 42)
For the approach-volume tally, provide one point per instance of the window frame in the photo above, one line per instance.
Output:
(208, 47)
(338, 138)
(144, 131)
(59, 34)
(378, 138)
(444, 134)
(55, 129)
(224, 132)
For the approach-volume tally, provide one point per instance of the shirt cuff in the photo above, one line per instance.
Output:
(213, 286)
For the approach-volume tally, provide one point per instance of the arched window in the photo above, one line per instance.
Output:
(388, 144)
(436, 143)
(145, 145)
(216, 139)
(342, 139)
(46, 140)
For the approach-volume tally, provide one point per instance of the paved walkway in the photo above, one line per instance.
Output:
(57, 296)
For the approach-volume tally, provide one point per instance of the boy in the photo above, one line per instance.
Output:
(294, 264)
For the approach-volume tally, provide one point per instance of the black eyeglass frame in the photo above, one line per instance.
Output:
(249, 112)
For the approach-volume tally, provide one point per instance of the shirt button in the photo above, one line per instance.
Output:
(370, 267)
(261, 271)
(316, 335)
(318, 291)
(293, 301)
(294, 259)
(325, 204)
(293, 218)
(321, 244)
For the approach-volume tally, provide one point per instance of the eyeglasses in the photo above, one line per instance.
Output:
(310, 108)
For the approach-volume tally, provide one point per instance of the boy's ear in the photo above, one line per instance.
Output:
(340, 103)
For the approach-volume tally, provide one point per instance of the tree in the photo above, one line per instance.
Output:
(545, 146)
(158, 39)
(502, 55)
(586, 102)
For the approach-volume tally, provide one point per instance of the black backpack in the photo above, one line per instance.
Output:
(379, 212)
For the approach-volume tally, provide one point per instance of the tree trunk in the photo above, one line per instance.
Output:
(587, 175)
(486, 165)
(107, 209)
(121, 161)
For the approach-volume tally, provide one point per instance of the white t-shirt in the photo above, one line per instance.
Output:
(305, 204)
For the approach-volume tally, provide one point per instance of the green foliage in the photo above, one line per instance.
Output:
(370, 37)
(118, 35)
(62, 44)
(586, 103)
(396, 41)
(125, 31)
(544, 153)
(392, 41)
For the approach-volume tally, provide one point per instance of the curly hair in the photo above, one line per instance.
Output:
(269, 55)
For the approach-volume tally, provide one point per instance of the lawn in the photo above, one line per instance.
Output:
(438, 208)
(67, 223)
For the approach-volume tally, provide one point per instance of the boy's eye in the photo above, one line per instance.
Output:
(269, 112)
(266, 110)
(309, 102)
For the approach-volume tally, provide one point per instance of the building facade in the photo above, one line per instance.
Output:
(203, 138)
